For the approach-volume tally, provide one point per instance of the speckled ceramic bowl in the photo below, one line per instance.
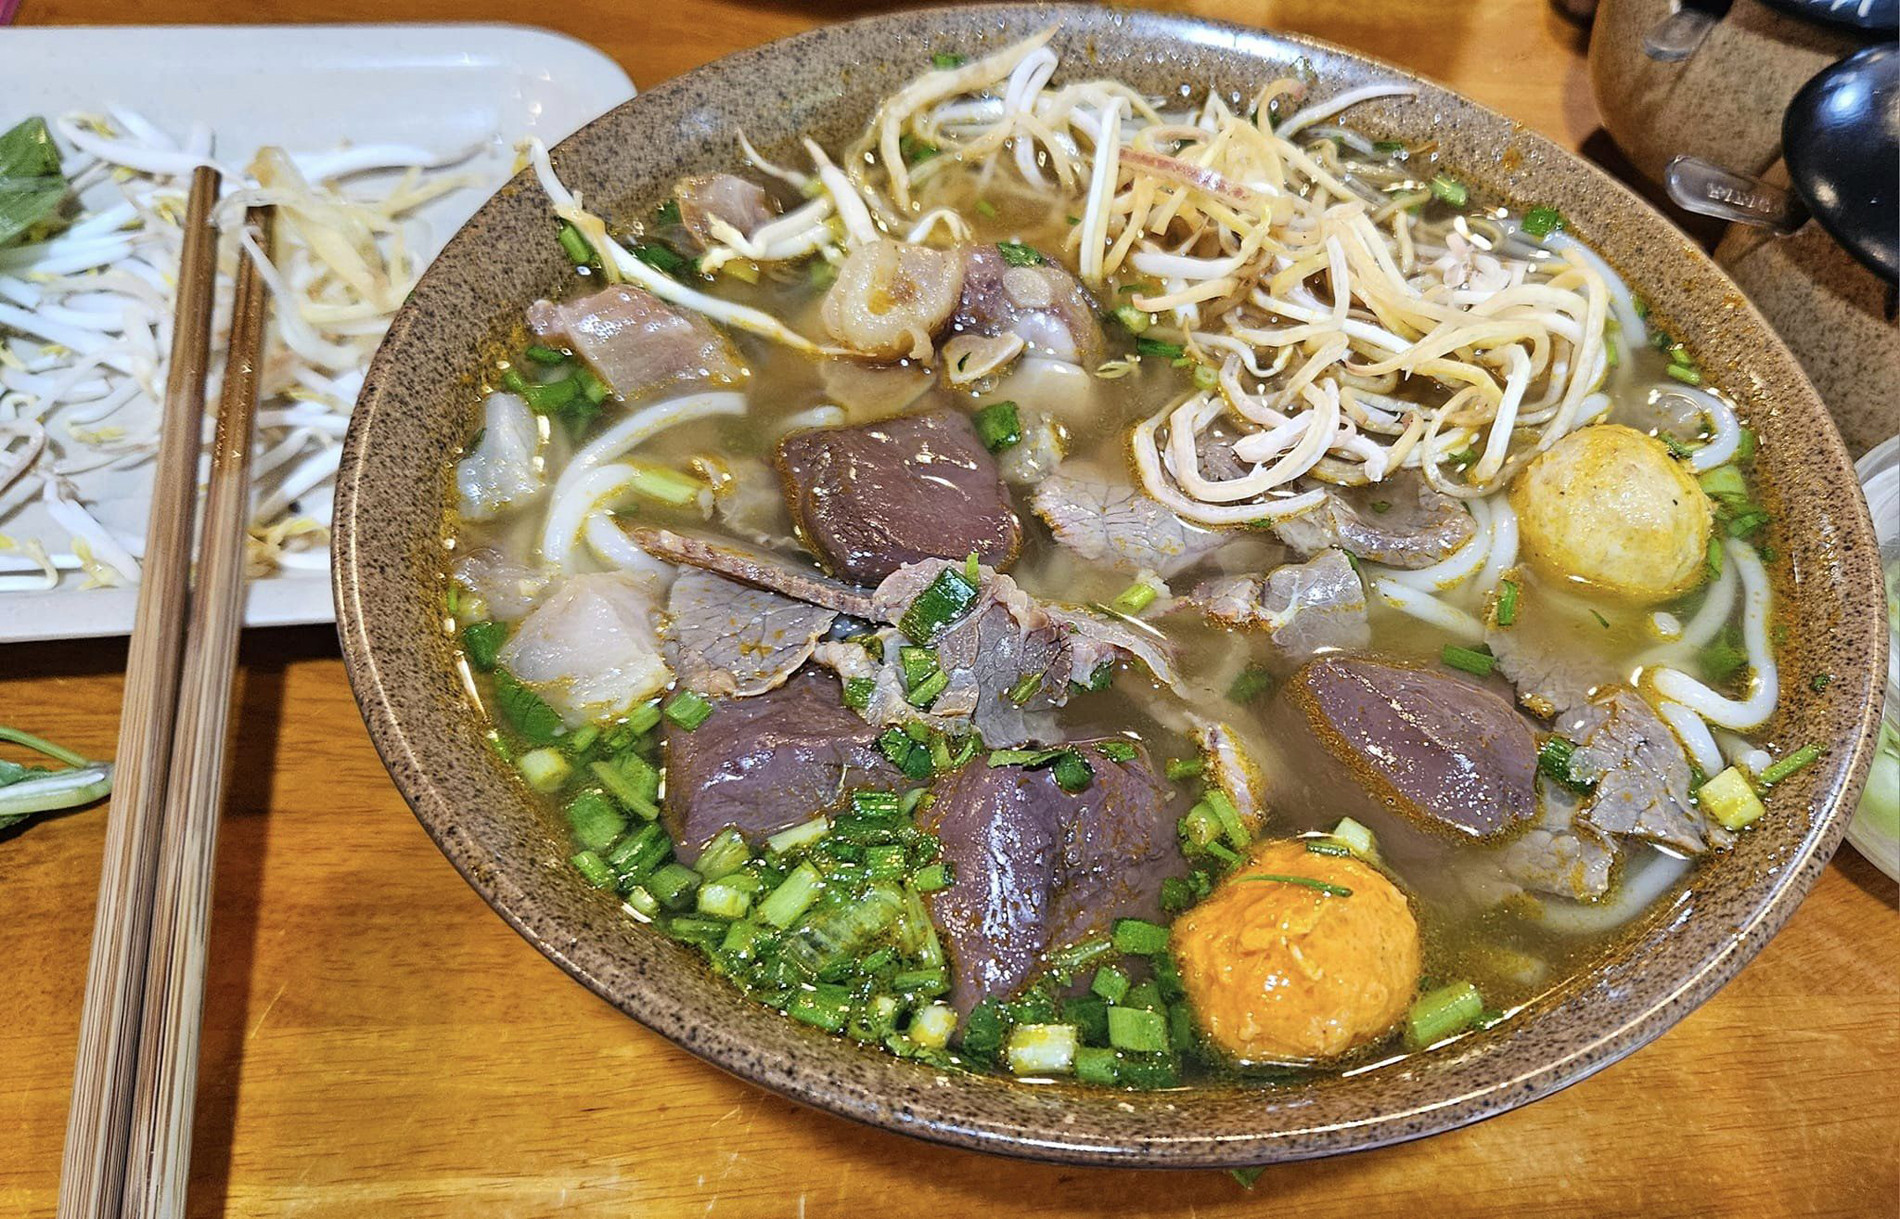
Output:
(420, 400)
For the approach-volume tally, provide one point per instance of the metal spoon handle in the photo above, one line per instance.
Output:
(1699, 186)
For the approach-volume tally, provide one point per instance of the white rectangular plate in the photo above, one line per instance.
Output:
(311, 88)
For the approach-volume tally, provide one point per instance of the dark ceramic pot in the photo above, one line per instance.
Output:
(420, 400)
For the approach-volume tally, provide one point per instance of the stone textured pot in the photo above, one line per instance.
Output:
(1835, 315)
(420, 400)
(1724, 103)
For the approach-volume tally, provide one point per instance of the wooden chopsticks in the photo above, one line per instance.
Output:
(128, 1136)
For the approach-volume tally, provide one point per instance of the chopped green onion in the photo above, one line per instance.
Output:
(1183, 768)
(1323, 846)
(1746, 522)
(481, 643)
(1017, 254)
(1136, 321)
(914, 151)
(1387, 148)
(594, 821)
(719, 899)
(640, 852)
(795, 895)
(687, 710)
(1247, 1176)
(1541, 222)
(578, 251)
(1449, 190)
(541, 354)
(1712, 562)
(1469, 660)
(1158, 347)
(662, 258)
(925, 692)
(1042, 1049)
(1097, 1065)
(1072, 772)
(527, 712)
(1231, 825)
(1556, 758)
(632, 780)
(825, 1005)
(985, 208)
(1206, 378)
(1137, 1030)
(945, 60)
(1730, 799)
(673, 885)
(933, 877)
(801, 835)
(667, 213)
(724, 855)
(665, 486)
(917, 664)
(1505, 610)
(1745, 449)
(644, 718)
(1358, 839)
(1023, 757)
(1441, 1013)
(858, 691)
(998, 426)
(1254, 680)
(946, 599)
(1685, 373)
(1138, 937)
(594, 869)
(1601, 620)
(1723, 656)
(548, 397)
(1117, 751)
(513, 381)
(1820, 682)
(932, 1025)
(546, 770)
(1799, 760)
(1134, 599)
(1724, 482)
(1025, 688)
(1111, 983)
(1304, 882)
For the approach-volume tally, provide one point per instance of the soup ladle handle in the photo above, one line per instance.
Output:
(1709, 189)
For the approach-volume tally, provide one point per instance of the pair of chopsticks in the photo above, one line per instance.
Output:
(128, 1135)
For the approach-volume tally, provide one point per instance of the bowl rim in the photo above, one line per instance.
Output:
(918, 1110)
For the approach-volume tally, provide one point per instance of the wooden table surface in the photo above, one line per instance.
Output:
(379, 1043)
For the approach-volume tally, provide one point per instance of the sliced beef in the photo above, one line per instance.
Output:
(1552, 651)
(1641, 774)
(703, 198)
(1560, 853)
(508, 586)
(871, 498)
(735, 640)
(759, 568)
(1400, 522)
(1036, 456)
(636, 342)
(1037, 867)
(1305, 608)
(1437, 749)
(1041, 304)
(591, 647)
(1003, 639)
(768, 763)
(1107, 520)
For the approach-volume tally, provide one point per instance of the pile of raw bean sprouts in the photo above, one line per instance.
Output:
(85, 330)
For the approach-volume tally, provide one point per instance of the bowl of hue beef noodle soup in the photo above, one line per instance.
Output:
(1110, 588)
